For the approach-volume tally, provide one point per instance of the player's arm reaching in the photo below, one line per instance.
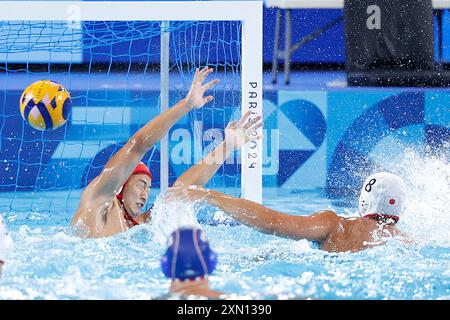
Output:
(404, 237)
(237, 134)
(315, 227)
(122, 164)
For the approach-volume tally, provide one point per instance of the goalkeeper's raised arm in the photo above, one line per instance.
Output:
(237, 134)
(113, 201)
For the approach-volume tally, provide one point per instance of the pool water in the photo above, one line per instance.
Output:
(49, 262)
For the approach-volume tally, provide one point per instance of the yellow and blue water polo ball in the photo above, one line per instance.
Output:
(45, 105)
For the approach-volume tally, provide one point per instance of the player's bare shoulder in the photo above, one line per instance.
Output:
(327, 216)
(92, 209)
(329, 221)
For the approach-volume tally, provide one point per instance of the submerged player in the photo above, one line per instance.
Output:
(381, 204)
(113, 201)
(188, 261)
(5, 244)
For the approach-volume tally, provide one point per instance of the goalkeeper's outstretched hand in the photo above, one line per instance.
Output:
(238, 133)
(195, 98)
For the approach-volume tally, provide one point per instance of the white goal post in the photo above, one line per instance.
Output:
(248, 12)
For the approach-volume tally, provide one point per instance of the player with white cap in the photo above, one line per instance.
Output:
(382, 197)
(381, 203)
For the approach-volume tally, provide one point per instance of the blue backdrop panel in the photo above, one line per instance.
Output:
(370, 122)
(72, 155)
(302, 124)
(327, 48)
(312, 139)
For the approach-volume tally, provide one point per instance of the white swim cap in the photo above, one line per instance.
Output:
(382, 195)
(5, 240)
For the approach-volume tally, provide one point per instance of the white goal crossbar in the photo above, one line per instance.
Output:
(248, 12)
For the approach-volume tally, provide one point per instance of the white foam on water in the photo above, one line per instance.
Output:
(427, 213)
(169, 215)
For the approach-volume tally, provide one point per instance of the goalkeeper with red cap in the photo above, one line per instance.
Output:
(114, 200)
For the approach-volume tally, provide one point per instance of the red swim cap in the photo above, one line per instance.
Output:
(141, 168)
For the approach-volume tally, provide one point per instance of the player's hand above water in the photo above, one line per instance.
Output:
(195, 98)
(239, 132)
(186, 193)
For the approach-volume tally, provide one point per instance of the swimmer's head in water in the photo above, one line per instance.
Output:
(382, 197)
(136, 190)
(188, 256)
(5, 241)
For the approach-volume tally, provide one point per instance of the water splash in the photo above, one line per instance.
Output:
(427, 179)
(50, 262)
(427, 214)
(170, 214)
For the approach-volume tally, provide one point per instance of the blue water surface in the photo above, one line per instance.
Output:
(49, 261)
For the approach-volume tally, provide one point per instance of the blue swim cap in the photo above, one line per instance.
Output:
(188, 255)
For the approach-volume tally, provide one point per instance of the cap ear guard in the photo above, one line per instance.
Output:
(167, 260)
(364, 203)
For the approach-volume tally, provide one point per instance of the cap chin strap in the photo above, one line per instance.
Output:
(128, 217)
(377, 216)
